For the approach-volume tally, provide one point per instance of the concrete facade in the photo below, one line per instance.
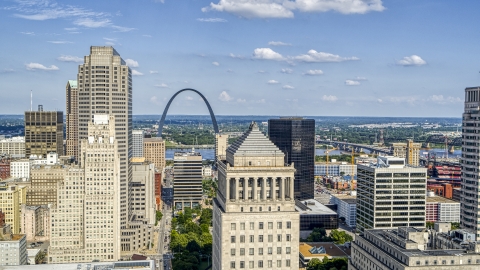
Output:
(221, 143)
(13, 249)
(43, 184)
(137, 141)
(255, 224)
(35, 222)
(11, 199)
(154, 151)
(409, 150)
(346, 208)
(390, 194)
(20, 168)
(14, 147)
(187, 179)
(442, 209)
(43, 132)
(71, 113)
(335, 169)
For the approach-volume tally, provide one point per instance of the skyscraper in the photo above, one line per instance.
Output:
(43, 132)
(137, 141)
(295, 136)
(255, 224)
(154, 151)
(390, 194)
(105, 87)
(71, 112)
(408, 150)
(187, 181)
(470, 212)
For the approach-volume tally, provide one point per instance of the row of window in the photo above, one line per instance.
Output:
(251, 251)
(251, 238)
(233, 226)
(259, 264)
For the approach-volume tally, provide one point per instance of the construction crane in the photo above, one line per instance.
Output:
(327, 152)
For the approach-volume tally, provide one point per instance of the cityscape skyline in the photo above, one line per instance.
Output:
(284, 54)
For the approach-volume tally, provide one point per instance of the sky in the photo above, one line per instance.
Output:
(250, 57)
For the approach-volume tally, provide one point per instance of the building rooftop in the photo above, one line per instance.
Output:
(146, 264)
(439, 199)
(312, 207)
(346, 198)
(186, 154)
(137, 160)
(331, 250)
(153, 139)
(73, 83)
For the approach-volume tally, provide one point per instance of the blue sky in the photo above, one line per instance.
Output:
(267, 57)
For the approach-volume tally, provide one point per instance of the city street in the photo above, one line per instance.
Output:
(164, 256)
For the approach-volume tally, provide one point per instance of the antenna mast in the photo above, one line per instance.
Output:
(31, 98)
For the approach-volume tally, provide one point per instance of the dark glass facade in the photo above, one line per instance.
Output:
(296, 138)
(312, 221)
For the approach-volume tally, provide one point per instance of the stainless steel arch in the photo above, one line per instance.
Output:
(162, 121)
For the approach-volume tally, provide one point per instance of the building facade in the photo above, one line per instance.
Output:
(335, 169)
(255, 224)
(346, 207)
(13, 249)
(20, 168)
(14, 147)
(43, 184)
(154, 151)
(221, 142)
(442, 209)
(390, 194)
(43, 132)
(35, 222)
(187, 179)
(296, 137)
(409, 150)
(313, 215)
(85, 222)
(11, 199)
(71, 98)
(4, 167)
(137, 141)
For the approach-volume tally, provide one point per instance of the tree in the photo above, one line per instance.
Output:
(455, 225)
(340, 237)
(318, 235)
(429, 224)
(193, 246)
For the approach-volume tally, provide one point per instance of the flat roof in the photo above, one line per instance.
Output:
(312, 207)
(440, 199)
(331, 249)
(346, 198)
(146, 264)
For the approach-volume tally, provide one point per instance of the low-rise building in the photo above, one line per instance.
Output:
(20, 168)
(334, 169)
(13, 247)
(14, 147)
(35, 222)
(346, 207)
(207, 171)
(4, 167)
(442, 209)
(313, 215)
(309, 251)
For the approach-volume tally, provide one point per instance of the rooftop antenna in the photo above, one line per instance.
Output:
(31, 100)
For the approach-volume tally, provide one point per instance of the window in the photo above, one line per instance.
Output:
(232, 264)
(279, 250)
(242, 238)
(270, 238)
(232, 252)
(242, 264)
(251, 251)
(241, 209)
(269, 208)
(289, 225)
(287, 263)
(252, 226)
(279, 225)
(279, 263)
(279, 237)
(270, 251)
(270, 225)
(242, 226)
(260, 251)
(260, 238)
(289, 237)
(251, 264)
(232, 239)
(233, 226)
(252, 238)
(269, 263)
(260, 225)
(260, 209)
(242, 251)
(260, 264)
(288, 250)
(444, 262)
(251, 209)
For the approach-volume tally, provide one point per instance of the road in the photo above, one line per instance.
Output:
(164, 256)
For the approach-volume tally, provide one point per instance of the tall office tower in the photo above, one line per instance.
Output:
(390, 194)
(409, 150)
(221, 142)
(105, 87)
(43, 132)
(255, 224)
(470, 212)
(154, 151)
(187, 179)
(295, 136)
(137, 140)
(71, 97)
(86, 219)
(143, 195)
(43, 184)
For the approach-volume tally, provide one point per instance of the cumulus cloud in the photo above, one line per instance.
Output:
(313, 56)
(136, 73)
(153, 72)
(287, 70)
(284, 9)
(440, 99)
(162, 85)
(352, 82)
(278, 43)
(286, 86)
(413, 60)
(224, 96)
(314, 72)
(70, 58)
(329, 98)
(131, 63)
(273, 82)
(216, 64)
(37, 66)
(267, 54)
(212, 20)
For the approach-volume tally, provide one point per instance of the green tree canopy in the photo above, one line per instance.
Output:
(340, 237)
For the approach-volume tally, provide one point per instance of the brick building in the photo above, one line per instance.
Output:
(4, 168)
(158, 190)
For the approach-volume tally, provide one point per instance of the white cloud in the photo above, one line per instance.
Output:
(70, 58)
(380, 100)
(92, 23)
(28, 33)
(236, 56)
(260, 101)
(284, 9)
(313, 56)
(262, 71)
(131, 63)
(352, 82)
(122, 28)
(70, 28)
(162, 85)
(251, 8)
(329, 98)
(314, 72)
(136, 73)
(240, 100)
(273, 82)
(359, 78)
(341, 6)
(149, 36)
(287, 70)
(224, 96)
(278, 43)
(35, 66)
(444, 100)
(60, 42)
(109, 43)
(153, 72)
(413, 60)
(286, 86)
(216, 64)
(155, 100)
(189, 98)
(159, 1)
(267, 54)
(230, 71)
(7, 70)
(212, 20)
(110, 39)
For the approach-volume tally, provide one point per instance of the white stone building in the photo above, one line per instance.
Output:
(13, 248)
(255, 224)
(207, 171)
(346, 207)
(20, 168)
(137, 143)
(15, 147)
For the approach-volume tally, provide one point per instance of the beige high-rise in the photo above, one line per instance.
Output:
(43, 188)
(154, 151)
(255, 224)
(409, 150)
(72, 118)
(86, 221)
(221, 142)
(105, 87)
(11, 199)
